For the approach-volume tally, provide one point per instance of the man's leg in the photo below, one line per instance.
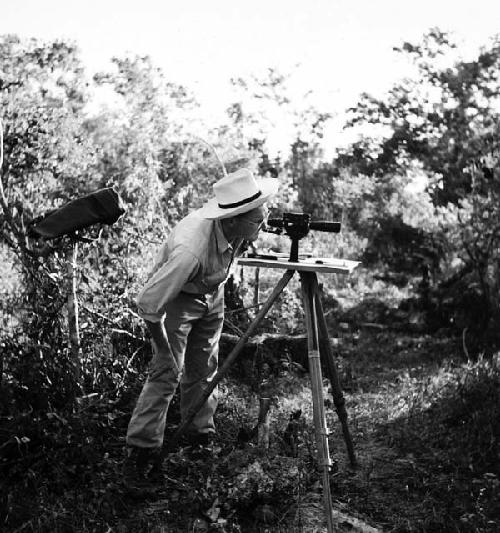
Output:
(200, 365)
(147, 425)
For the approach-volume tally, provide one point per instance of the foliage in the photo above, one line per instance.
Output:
(65, 462)
(459, 443)
(47, 156)
(425, 438)
(472, 277)
(436, 130)
(440, 118)
(47, 160)
(426, 130)
(424, 435)
(268, 108)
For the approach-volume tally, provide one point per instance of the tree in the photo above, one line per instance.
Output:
(437, 126)
(48, 159)
(270, 115)
(439, 118)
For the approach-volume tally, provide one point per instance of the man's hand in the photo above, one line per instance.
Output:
(160, 341)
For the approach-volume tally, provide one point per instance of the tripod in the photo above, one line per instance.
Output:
(319, 350)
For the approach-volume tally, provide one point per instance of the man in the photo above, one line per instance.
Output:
(183, 306)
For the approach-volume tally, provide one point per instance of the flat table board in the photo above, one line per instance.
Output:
(310, 264)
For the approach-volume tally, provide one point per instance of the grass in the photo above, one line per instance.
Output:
(426, 435)
(423, 422)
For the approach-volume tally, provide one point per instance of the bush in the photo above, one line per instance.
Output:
(455, 443)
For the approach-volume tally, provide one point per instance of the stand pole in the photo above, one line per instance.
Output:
(328, 359)
(324, 462)
(200, 401)
(73, 316)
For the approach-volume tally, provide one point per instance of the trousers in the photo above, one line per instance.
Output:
(193, 324)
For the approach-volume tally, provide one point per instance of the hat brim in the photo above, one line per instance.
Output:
(268, 187)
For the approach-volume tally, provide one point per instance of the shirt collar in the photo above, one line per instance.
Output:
(222, 243)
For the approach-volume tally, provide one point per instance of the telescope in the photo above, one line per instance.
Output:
(297, 226)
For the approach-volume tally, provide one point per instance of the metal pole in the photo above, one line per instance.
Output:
(328, 359)
(200, 401)
(73, 313)
(324, 461)
(256, 287)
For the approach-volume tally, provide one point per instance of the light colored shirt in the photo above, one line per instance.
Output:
(196, 258)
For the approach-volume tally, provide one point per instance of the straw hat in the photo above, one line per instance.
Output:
(238, 192)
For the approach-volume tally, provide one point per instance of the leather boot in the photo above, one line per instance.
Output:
(137, 466)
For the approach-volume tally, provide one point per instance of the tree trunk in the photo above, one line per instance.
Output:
(256, 287)
(263, 423)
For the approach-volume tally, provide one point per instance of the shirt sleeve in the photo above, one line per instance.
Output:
(166, 283)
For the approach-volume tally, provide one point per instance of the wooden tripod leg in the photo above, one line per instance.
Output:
(324, 461)
(200, 401)
(328, 360)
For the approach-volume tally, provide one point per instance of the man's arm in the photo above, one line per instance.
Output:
(162, 287)
(165, 284)
(160, 340)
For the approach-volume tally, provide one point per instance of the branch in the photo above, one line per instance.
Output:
(233, 327)
(4, 202)
(111, 321)
(241, 309)
(3, 199)
(9, 241)
(467, 269)
(492, 238)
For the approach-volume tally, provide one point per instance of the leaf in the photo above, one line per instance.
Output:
(214, 511)
(200, 526)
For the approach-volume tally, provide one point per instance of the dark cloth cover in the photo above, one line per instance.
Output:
(103, 206)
